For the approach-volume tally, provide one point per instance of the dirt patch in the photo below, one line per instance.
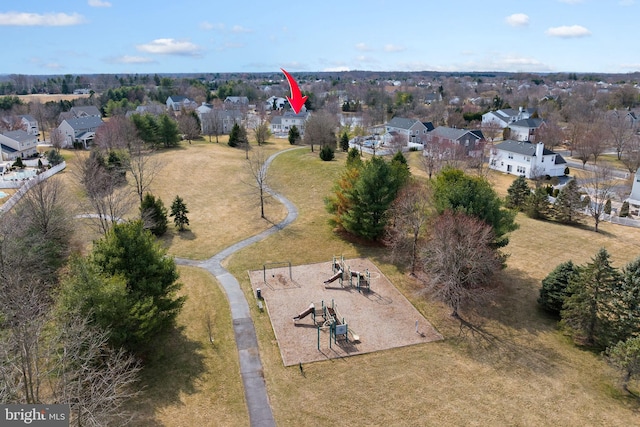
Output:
(377, 318)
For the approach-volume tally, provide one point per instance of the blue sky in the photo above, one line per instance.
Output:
(141, 36)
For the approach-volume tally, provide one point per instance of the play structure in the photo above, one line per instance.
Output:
(348, 278)
(327, 318)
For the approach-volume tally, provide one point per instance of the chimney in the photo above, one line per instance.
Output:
(539, 150)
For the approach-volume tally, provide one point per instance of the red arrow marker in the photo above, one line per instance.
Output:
(296, 100)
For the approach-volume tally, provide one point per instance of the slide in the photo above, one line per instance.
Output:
(305, 313)
(334, 277)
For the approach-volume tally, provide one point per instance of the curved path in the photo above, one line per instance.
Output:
(255, 389)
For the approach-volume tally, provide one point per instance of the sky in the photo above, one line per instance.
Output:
(209, 36)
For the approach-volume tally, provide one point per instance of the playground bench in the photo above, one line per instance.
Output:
(260, 305)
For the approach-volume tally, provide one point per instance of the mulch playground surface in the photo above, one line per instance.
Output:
(380, 318)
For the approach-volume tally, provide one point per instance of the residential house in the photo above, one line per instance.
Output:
(236, 101)
(275, 103)
(280, 125)
(506, 116)
(155, 109)
(410, 130)
(526, 158)
(469, 142)
(225, 119)
(634, 197)
(176, 103)
(30, 124)
(85, 111)
(525, 129)
(79, 131)
(18, 143)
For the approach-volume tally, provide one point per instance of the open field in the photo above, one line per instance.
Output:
(44, 98)
(513, 368)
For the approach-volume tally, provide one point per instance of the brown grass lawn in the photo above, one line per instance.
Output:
(513, 368)
(44, 98)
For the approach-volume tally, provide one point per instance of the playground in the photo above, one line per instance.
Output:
(335, 309)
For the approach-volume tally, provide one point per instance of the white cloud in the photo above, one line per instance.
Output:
(169, 47)
(40, 20)
(627, 2)
(99, 3)
(362, 47)
(393, 48)
(128, 59)
(336, 69)
(240, 29)
(206, 26)
(568, 31)
(517, 20)
(571, 1)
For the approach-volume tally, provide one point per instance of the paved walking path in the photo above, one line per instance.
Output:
(255, 389)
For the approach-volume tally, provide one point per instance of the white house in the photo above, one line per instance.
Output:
(80, 130)
(525, 129)
(634, 197)
(525, 158)
(280, 125)
(275, 103)
(18, 143)
(30, 124)
(506, 116)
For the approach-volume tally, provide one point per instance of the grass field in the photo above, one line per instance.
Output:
(513, 368)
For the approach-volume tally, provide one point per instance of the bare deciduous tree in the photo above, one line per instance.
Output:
(188, 126)
(116, 133)
(261, 132)
(459, 260)
(258, 167)
(599, 188)
(320, 129)
(143, 168)
(407, 222)
(620, 130)
(107, 201)
(631, 155)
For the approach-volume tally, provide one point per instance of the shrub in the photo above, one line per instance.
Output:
(326, 153)
(607, 207)
(624, 210)
(566, 170)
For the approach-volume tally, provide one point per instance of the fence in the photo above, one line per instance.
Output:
(26, 185)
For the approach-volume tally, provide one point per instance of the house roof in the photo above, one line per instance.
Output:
(528, 123)
(83, 123)
(7, 149)
(89, 110)
(527, 149)
(28, 117)
(401, 123)
(237, 99)
(455, 133)
(429, 126)
(176, 98)
(19, 135)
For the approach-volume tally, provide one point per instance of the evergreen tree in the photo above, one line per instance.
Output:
(554, 287)
(625, 356)
(456, 191)
(629, 304)
(154, 214)
(54, 157)
(607, 207)
(371, 197)
(326, 153)
(517, 193)
(567, 207)
(590, 312)
(179, 213)
(294, 135)
(168, 132)
(537, 204)
(234, 135)
(400, 168)
(344, 141)
(342, 199)
(353, 158)
(130, 252)
(624, 210)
